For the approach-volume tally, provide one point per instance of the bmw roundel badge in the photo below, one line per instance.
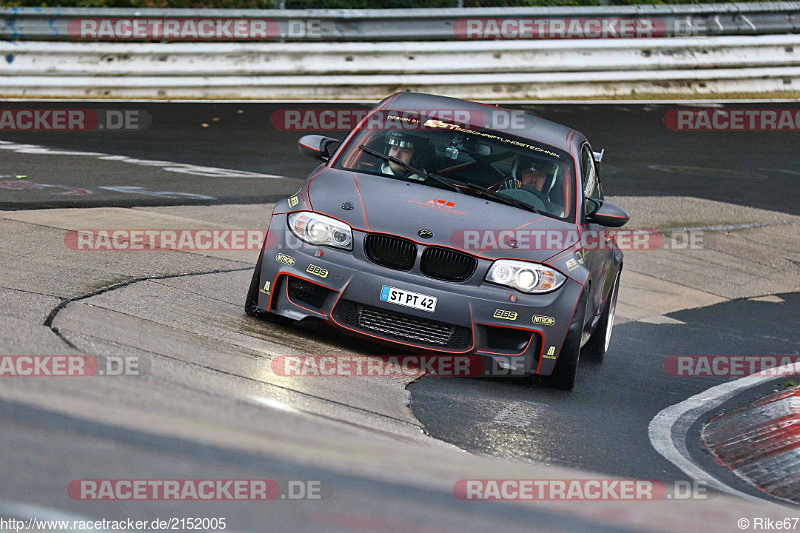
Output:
(425, 233)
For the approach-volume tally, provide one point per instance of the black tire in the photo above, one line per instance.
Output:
(566, 370)
(251, 302)
(595, 349)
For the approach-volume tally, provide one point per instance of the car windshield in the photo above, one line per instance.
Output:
(425, 150)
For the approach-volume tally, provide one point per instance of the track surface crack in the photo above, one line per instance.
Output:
(65, 302)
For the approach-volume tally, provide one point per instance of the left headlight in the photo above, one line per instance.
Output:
(526, 277)
(321, 230)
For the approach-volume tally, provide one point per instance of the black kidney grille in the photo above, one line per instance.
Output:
(447, 264)
(391, 252)
(400, 326)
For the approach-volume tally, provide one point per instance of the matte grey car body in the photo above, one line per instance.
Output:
(536, 334)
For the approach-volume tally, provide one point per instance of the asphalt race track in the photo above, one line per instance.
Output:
(602, 426)
(643, 157)
(386, 451)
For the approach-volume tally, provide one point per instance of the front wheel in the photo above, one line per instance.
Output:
(595, 350)
(251, 302)
(566, 369)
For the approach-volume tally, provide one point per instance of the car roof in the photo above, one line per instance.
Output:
(527, 125)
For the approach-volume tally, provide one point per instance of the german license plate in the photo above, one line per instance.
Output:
(415, 300)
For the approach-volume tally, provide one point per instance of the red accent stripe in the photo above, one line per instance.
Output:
(361, 200)
(533, 332)
(571, 249)
(578, 189)
(323, 315)
(333, 217)
(308, 184)
(508, 232)
(565, 334)
(272, 290)
(309, 147)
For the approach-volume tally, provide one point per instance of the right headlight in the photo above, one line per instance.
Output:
(530, 278)
(321, 230)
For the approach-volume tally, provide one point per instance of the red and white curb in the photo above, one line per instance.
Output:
(670, 429)
(760, 443)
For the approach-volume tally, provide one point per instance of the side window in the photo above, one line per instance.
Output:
(591, 181)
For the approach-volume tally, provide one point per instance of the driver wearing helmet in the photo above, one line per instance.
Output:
(529, 172)
(532, 180)
(403, 147)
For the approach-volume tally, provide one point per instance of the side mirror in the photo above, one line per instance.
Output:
(606, 213)
(317, 146)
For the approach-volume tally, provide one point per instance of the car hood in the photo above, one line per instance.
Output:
(468, 223)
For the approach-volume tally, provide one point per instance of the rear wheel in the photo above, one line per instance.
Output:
(595, 349)
(566, 369)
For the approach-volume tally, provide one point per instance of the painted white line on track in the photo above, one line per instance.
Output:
(669, 429)
(770, 298)
(729, 227)
(781, 171)
(169, 166)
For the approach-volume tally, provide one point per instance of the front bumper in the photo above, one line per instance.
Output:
(299, 280)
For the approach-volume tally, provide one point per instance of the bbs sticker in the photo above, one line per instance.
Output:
(505, 315)
(317, 271)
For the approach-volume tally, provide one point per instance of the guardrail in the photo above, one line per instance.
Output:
(506, 69)
(23, 23)
(426, 54)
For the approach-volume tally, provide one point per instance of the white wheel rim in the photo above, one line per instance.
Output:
(611, 311)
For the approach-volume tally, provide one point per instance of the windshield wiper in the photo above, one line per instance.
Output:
(488, 193)
(452, 184)
(419, 172)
